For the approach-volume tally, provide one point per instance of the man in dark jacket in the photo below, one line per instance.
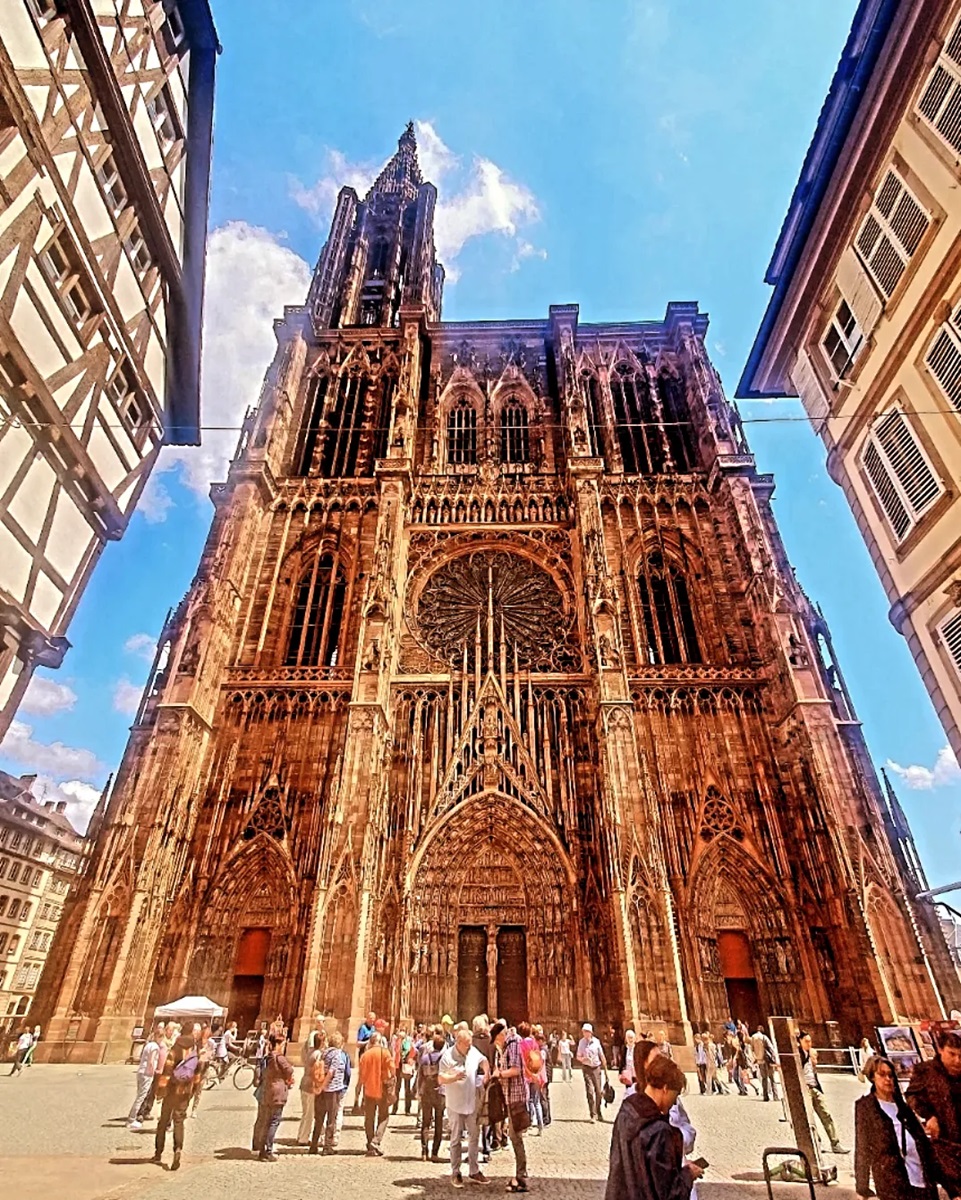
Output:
(646, 1150)
(273, 1089)
(181, 1069)
(935, 1095)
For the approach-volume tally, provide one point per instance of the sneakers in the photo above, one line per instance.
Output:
(135, 1124)
(267, 1156)
(371, 1153)
(457, 1180)
(480, 1177)
(837, 1148)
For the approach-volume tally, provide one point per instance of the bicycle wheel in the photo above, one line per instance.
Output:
(211, 1079)
(244, 1077)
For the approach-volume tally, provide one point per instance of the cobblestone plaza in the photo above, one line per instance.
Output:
(62, 1134)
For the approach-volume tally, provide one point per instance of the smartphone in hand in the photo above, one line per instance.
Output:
(701, 1162)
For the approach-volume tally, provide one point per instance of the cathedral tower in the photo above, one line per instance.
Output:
(494, 690)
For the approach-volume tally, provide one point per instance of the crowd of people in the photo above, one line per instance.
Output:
(484, 1087)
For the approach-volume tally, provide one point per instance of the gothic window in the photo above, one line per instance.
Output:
(382, 428)
(593, 390)
(666, 608)
(378, 258)
(462, 434)
(637, 432)
(515, 443)
(338, 457)
(318, 616)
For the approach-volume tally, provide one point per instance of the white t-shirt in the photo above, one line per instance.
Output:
(564, 1046)
(912, 1160)
(24, 1041)
(461, 1096)
(589, 1052)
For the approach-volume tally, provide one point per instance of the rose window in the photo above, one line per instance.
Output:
(491, 597)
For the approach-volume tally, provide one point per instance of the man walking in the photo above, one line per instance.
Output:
(376, 1068)
(463, 1069)
(24, 1044)
(177, 1083)
(430, 1094)
(765, 1056)
(590, 1055)
(367, 1028)
(146, 1070)
(509, 1072)
(816, 1092)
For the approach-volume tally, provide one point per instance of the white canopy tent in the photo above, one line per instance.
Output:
(189, 1006)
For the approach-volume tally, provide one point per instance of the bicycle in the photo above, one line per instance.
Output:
(236, 1064)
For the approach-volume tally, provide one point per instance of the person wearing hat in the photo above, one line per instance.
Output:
(590, 1054)
(447, 1024)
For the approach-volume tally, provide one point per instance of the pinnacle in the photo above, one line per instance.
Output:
(402, 174)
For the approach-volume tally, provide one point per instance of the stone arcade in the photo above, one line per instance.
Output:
(494, 690)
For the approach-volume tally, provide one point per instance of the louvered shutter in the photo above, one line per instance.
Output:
(950, 631)
(891, 232)
(899, 472)
(944, 358)
(861, 294)
(809, 388)
(940, 101)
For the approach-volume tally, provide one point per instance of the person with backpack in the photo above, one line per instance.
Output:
(176, 1086)
(332, 1079)
(430, 1094)
(646, 1150)
(276, 1081)
(534, 1073)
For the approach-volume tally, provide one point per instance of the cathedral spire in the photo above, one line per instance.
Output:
(402, 175)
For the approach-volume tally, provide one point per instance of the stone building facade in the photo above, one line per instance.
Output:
(864, 323)
(41, 855)
(106, 117)
(494, 690)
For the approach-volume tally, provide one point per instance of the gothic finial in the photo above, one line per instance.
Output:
(401, 176)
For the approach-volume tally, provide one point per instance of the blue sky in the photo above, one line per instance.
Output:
(618, 161)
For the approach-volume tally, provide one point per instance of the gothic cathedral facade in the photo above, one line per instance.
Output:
(494, 690)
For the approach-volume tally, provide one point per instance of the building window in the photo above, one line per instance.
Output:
(37, 878)
(24, 911)
(160, 108)
(34, 942)
(318, 616)
(843, 340)
(3, 942)
(14, 911)
(901, 476)
(462, 434)
(4, 864)
(944, 358)
(112, 185)
(940, 102)
(44, 912)
(950, 631)
(136, 247)
(4, 901)
(14, 944)
(515, 447)
(172, 29)
(666, 610)
(45, 942)
(891, 232)
(43, 10)
(121, 390)
(61, 265)
(14, 872)
(15, 841)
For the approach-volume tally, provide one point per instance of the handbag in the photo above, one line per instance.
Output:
(496, 1107)
(607, 1092)
(520, 1117)
(390, 1090)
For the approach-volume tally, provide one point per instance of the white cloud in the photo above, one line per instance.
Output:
(44, 697)
(81, 798)
(922, 779)
(126, 696)
(142, 644)
(48, 758)
(155, 501)
(473, 201)
(250, 277)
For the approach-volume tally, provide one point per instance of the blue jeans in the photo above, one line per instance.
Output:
(267, 1124)
(536, 1105)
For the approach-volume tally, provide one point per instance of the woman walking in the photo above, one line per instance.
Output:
(565, 1048)
(309, 1087)
(646, 1151)
(509, 1072)
(890, 1144)
(274, 1087)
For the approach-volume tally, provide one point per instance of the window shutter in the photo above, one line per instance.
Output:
(891, 232)
(944, 358)
(809, 388)
(950, 631)
(860, 293)
(899, 472)
(940, 101)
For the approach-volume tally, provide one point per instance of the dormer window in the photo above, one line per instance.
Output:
(62, 266)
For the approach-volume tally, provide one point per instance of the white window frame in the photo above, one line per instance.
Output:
(889, 235)
(939, 101)
(112, 185)
(137, 249)
(852, 342)
(163, 117)
(949, 631)
(943, 359)
(903, 502)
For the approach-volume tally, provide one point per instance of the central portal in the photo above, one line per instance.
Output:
(512, 973)
(471, 971)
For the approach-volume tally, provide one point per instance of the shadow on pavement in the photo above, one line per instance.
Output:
(130, 1162)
